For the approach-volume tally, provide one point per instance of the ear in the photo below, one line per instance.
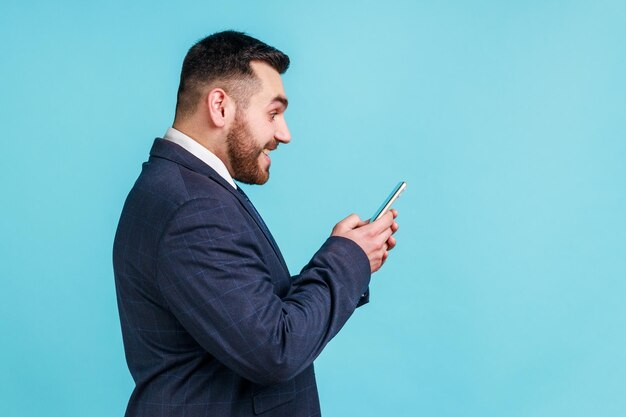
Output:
(219, 106)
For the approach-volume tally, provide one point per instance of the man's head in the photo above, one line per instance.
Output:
(231, 99)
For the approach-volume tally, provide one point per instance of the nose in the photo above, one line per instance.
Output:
(282, 134)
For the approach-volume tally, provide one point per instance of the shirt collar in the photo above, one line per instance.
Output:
(200, 152)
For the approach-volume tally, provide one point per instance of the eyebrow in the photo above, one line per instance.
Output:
(282, 100)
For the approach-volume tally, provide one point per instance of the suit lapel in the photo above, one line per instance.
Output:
(175, 153)
(259, 221)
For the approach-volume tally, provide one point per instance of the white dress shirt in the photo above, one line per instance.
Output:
(199, 152)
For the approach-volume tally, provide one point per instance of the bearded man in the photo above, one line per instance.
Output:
(213, 324)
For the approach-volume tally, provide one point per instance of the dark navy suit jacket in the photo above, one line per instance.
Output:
(212, 322)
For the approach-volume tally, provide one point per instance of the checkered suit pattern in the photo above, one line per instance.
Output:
(213, 324)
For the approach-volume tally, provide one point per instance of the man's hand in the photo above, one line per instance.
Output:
(375, 238)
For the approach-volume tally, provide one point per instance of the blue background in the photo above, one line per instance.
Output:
(505, 295)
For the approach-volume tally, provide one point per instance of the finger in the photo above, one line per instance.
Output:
(382, 238)
(379, 241)
(383, 223)
(394, 212)
(394, 227)
(391, 243)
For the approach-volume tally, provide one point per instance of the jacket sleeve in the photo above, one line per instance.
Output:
(211, 273)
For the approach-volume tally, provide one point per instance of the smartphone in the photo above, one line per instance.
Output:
(389, 201)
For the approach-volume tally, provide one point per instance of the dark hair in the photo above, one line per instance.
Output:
(223, 60)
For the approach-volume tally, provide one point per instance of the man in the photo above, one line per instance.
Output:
(213, 324)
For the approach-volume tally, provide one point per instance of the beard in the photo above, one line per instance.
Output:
(243, 153)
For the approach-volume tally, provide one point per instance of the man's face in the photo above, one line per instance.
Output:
(258, 129)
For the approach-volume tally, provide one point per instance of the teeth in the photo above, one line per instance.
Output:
(266, 151)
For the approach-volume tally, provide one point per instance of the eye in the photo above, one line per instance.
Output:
(273, 115)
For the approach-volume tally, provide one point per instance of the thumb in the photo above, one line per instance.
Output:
(351, 222)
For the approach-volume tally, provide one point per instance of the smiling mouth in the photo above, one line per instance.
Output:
(267, 151)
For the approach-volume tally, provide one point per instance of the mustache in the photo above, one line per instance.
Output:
(274, 145)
